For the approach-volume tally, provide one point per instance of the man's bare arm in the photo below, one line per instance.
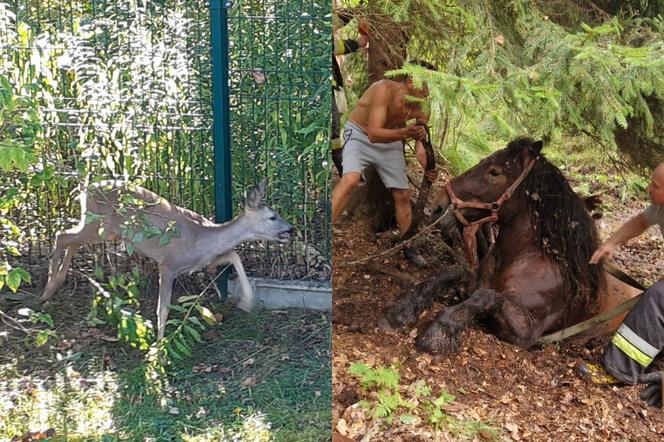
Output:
(631, 229)
(376, 130)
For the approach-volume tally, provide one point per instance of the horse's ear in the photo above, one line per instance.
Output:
(536, 147)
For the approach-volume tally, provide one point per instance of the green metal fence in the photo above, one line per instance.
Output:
(124, 90)
(280, 65)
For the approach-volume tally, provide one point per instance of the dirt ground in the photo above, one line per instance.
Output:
(527, 395)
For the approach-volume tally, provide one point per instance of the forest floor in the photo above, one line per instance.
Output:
(383, 389)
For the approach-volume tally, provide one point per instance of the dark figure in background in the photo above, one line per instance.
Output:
(341, 47)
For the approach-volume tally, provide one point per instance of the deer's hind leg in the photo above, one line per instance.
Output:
(66, 245)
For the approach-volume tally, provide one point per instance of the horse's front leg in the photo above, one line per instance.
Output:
(414, 300)
(442, 336)
(513, 322)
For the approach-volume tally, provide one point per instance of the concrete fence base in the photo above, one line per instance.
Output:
(275, 294)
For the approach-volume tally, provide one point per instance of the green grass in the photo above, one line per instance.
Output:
(264, 376)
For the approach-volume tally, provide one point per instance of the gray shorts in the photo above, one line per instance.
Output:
(387, 158)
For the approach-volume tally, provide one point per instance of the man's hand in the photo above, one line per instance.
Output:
(421, 155)
(362, 41)
(415, 131)
(606, 249)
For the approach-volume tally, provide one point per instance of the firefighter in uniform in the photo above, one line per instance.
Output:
(641, 335)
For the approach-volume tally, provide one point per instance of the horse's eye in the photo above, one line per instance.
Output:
(273, 218)
(494, 172)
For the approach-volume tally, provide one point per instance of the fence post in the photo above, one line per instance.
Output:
(223, 191)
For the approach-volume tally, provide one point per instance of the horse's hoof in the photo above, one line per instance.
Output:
(437, 340)
(415, 257)
(384, 324)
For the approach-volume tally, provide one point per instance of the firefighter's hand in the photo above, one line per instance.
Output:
(652, 394)
(605, 250)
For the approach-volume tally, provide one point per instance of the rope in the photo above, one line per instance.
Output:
(399, 246)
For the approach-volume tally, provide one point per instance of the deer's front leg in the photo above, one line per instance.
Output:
(247, 300)
(166, 279)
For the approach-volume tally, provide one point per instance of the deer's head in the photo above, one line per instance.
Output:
(266, 223)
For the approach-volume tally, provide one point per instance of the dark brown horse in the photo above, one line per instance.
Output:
(536, 278)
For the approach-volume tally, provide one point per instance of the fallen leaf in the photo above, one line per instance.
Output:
(342, 427)
(249, 382)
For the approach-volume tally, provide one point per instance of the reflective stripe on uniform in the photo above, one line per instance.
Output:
(336, 144)
(339, 47)
(638, 341)
(631, 350)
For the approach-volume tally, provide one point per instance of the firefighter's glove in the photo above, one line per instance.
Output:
(652, 394)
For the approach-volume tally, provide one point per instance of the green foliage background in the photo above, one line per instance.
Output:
(548, 69)
(122, 89)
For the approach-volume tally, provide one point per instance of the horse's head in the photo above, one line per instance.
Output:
(489, 181)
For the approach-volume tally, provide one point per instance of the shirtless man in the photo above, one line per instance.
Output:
(374, 136)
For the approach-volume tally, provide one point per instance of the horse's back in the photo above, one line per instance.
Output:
(615, 292)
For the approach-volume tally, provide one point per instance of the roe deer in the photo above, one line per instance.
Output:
(178, 239)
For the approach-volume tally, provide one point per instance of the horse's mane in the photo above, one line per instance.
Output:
(565, 231)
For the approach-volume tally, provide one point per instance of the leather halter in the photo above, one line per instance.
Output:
(470, 228)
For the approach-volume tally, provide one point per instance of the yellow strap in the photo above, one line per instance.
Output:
(630, 350)
(336, 144)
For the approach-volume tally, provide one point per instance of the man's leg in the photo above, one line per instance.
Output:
(404, 211)
(341, 192)
(639, 338)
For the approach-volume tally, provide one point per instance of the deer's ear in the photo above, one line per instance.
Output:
(261, 187)
(255, 197)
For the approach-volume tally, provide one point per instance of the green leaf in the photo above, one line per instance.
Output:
(408, 419)
(25, 276)
(172, 352)
(164, 239)
(130, 249)
(195, 320)
(193, 333)
(182, 347)
(13, 280)
(177, 308)
(206, 314)
(12, 250)
(42, 338)
(183, 299)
